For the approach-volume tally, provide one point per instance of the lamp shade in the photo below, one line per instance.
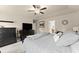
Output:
(75, 28)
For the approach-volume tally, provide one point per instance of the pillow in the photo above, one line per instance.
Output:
(55, 37)
(67, 39)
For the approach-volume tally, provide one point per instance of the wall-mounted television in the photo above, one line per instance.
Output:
(27, 26)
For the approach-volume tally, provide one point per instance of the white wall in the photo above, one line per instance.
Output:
(15, 13)
(20, 15)
(18, 20)
(73, 19)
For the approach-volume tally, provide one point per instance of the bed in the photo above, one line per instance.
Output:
(45, 43)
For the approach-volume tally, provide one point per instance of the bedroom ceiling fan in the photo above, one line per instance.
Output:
(37, 9)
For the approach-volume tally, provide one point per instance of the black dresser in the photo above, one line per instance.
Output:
(7, 36)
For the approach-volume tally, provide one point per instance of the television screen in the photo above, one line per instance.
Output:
(27, 26)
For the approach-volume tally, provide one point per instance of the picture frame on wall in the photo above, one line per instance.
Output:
(41, 24)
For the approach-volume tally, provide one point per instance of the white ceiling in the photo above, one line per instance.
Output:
(52, 10)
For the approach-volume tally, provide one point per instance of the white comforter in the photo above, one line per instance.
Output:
(44, 44)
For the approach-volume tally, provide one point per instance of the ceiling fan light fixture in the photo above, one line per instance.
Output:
(37, 11)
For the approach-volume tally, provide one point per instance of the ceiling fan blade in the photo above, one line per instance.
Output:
(42, 12)
(43, 8)
(31, 10)
(34, 6)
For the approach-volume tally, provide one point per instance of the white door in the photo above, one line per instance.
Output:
(51, 26)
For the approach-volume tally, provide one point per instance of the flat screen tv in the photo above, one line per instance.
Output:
(7, 36)
(27, 26)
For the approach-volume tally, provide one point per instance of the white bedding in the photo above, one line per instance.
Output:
(44, 44)
(67, 39)
(37, 36)
(75, 47)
